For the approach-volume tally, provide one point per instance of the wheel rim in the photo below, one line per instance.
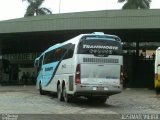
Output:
(40, 87)
(65, 94)
(59, 93)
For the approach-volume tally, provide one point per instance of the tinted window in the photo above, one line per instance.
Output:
(49, 57)
(69, 48)
(64, 52)
(58, 54)
(54, 55)
(102, 47)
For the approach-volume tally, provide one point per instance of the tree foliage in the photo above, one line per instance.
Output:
(35, 8)
(136, 4)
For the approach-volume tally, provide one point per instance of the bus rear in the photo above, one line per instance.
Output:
(99, 61)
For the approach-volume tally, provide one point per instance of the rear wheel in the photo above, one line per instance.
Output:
(42, 92)
(59, 93)
(67, 97)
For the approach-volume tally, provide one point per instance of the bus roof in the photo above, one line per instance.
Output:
(75, 39)
(99, 34)
(54, 47)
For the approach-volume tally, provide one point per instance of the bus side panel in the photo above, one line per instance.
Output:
(52, 86)
(48, 72)
(63, 73)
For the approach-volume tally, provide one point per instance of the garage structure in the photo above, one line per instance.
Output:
(21, 40)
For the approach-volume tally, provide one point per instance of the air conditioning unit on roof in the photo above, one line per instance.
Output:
(98, 33)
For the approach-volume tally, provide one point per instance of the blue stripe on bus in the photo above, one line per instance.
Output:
(48, 72)
(54, 72)
(55, 66)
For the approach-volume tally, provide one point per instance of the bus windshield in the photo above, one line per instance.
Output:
(100, 47)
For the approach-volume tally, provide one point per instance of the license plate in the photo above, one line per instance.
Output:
(94, 88)
(100, 88)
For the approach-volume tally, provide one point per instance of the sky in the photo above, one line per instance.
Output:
(11, 9)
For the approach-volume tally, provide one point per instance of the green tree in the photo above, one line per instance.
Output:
(35, 8)
(136, 4)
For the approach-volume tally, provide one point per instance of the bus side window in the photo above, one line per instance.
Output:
(46, 58)
(70, 49)
(49, 57)
(58, 54)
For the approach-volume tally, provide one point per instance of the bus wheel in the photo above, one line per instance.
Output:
(42, 92)
(59, 93)
(67, 97)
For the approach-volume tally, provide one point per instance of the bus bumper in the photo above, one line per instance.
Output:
(87, 90)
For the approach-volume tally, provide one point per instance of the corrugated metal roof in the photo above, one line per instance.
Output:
(108, 19)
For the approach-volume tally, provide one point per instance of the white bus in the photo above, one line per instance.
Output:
(157, 70)
(88, 65)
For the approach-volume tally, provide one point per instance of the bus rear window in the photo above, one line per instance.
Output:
(100, 47)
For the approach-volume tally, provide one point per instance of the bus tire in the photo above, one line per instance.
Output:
(42, 92)
(59, 93)
(67, 97)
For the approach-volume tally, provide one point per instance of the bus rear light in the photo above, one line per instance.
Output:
(121, 75)
(78, 74)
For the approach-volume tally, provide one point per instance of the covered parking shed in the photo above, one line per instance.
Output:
(35, 34)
